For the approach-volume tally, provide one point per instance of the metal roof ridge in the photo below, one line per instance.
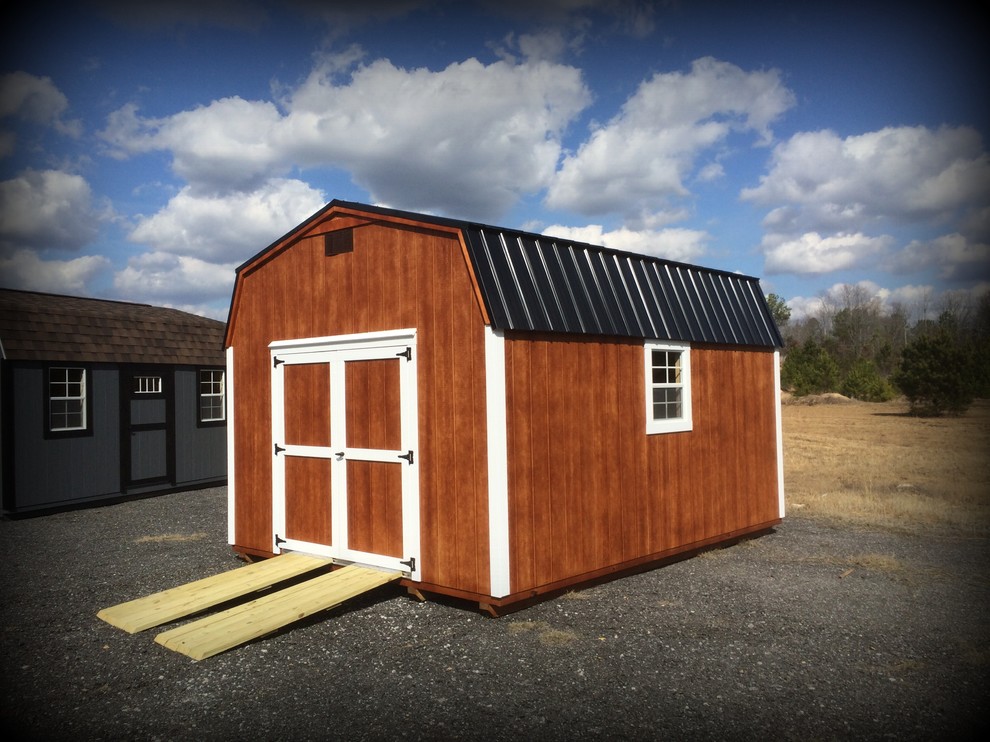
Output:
(521, 233)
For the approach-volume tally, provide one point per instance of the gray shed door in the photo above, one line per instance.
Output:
(147, 426)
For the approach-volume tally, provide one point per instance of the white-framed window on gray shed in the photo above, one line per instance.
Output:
(66, 399)
(212, 399)
(668, 387)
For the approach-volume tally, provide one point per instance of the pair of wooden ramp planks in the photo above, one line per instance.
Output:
(221, 631)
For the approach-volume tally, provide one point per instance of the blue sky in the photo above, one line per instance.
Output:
(147, 149)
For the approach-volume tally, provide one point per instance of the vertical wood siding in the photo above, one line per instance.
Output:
(374, 508)
(373, 405)
(50, 472)
(200, 452)
(394, 278)
(307, 404)
(589, 489)
(307, 512)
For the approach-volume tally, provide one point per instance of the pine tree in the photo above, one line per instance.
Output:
(936, 374)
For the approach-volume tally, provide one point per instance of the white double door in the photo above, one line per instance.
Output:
(345, 481)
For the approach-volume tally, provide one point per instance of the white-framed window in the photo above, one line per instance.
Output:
(212, 407)
(66, 399)
(147, 384)
(668, 387)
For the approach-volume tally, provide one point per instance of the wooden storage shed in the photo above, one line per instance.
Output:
(494, 413)
(105, 399)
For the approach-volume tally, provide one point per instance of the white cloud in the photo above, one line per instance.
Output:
(227, 145)
(683, 245)
(901, 173)
(550, 44)
(918, 301)
(832, 196)
(951, 257)
(47, 209)
(164, 278)
(37, 101)
(811, 253)
(228, 228)
(468, 139)
(711, 172)
(23, 269)
(976, 224)
(644, 154)
(837, 294)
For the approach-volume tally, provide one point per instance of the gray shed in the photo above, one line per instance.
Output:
(104, 399)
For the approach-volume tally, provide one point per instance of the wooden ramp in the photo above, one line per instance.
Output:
(222, 631)
(169, 605)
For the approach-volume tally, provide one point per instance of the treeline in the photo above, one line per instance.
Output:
(857, 347)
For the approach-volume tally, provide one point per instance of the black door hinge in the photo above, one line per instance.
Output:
(278, 448)
(407, 354)
(411, 563)
(278, 540)
(276, 361)
(407, 456)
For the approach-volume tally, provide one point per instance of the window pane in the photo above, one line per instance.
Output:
(666, 403)
(211, 382)
(66, 414)
(211, 408)
(666, 367)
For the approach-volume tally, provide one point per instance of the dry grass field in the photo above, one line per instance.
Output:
(875, 465)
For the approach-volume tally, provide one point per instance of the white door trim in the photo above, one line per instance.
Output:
(337, 351)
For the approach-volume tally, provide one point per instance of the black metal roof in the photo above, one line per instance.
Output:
(535, 283)
(545, 284)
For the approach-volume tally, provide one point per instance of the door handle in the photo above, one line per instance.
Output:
(339, 455)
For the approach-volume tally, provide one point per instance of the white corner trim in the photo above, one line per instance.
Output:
(228, 380)
(498, 472)
(780, 434)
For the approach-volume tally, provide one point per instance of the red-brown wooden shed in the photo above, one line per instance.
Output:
(496, 414)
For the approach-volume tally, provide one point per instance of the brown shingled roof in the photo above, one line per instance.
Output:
(35, 326)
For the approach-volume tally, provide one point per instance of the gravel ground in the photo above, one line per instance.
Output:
(813, 632)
